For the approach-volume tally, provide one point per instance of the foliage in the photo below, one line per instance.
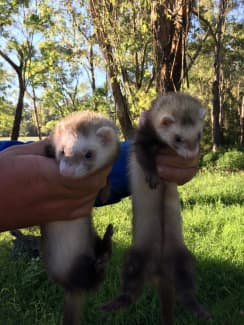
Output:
(6, 118)
(231, 160)
(65, 69)
(209, 159)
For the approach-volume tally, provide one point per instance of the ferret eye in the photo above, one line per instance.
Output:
(88, 154)
(178, 138)
(199, 136)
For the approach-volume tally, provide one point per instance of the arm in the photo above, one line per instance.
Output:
(33, 192)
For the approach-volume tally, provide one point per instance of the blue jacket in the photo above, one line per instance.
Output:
(118, 178)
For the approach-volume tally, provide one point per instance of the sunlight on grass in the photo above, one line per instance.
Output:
(212, 210)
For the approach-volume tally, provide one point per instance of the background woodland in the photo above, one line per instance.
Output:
(115, 56)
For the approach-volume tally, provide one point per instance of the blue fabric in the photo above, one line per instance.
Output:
(118, 178)
(6, 144)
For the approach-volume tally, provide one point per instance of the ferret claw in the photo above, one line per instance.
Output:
(153, 181)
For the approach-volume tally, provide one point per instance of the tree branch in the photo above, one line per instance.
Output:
(7, 58)
(207, 23)
(197, 52)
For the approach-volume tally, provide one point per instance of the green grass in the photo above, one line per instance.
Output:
(213, 214)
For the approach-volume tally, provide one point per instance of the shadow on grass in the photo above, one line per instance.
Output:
(27, 297)
(226, 199)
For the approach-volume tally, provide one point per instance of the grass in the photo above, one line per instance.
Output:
(213, 214)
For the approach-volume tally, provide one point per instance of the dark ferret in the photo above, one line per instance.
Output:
(74, 255)
(158, 253)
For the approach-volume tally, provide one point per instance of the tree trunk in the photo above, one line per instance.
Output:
(19, 69)
(120, 99)
(170, 23)
(242, 123)
(37, 115)
(93, 80)
(19, 108)
(216, 134)
(216, 109)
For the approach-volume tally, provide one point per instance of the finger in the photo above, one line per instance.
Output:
(35, 148)
(176, 175)
(92, 181)
(176, 161)
(84, 210)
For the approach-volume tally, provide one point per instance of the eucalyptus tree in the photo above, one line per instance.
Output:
(123, 33)
(72, 61)
(223, 65)
(141, 40)
(170, 26)
(22, 24)
(40, 43)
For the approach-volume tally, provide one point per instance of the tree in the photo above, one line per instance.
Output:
(217, 105)
(170, 24)
(20, 18)
(20, 69)
(242, 122)
(123, 34)
(224, 38)
(102, 14)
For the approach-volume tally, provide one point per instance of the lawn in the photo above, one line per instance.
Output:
(213, 212)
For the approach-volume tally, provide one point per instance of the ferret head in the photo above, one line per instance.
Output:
(84, 142)
(178, 120)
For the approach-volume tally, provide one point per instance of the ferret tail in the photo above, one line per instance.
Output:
(16, 233)
(73, 301)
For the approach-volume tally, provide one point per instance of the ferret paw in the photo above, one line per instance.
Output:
(153, 181)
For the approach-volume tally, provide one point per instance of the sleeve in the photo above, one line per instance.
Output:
(9, 143)
(118, 178)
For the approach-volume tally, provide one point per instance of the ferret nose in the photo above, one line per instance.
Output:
(191, 145)
(66, 169)
(192, 152)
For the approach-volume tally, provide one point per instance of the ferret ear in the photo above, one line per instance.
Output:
(106, 134)
(202, 113)
(166, 120)
(59, 129)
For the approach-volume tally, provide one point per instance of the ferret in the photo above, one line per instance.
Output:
(74, 255)
(28, 245)
(158, 253)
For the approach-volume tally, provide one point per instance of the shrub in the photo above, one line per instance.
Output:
(224, 161)
(231, 161)
(209, 159)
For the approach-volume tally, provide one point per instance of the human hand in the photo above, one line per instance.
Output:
(33, 192)
(174, 168)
